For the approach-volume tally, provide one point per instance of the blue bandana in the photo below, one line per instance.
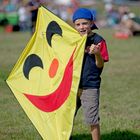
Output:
(83, 13)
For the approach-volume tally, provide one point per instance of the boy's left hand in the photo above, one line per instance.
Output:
(94, 49)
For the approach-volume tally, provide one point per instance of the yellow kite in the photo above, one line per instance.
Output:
(46, 76)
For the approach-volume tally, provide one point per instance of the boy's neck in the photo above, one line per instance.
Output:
(90, 34)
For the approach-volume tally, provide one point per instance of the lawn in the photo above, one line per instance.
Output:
(120, 92)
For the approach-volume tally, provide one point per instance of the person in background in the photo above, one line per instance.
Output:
(9, 7)
(23, 17)
(129, 24)
(32, 6)
(96, 54)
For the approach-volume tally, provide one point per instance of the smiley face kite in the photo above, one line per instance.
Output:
(45, 78)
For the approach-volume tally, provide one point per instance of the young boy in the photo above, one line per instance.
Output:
(95, 55)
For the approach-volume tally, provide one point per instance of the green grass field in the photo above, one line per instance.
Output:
(120, 92)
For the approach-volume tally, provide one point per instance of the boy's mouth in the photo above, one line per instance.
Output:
(83, 32)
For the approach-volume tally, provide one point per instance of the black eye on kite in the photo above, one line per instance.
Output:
(53, 28)
(31, 61)
(34, 60)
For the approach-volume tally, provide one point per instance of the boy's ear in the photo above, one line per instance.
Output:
(92, 23)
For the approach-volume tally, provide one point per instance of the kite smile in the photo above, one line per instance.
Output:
(50, 101)
(54, 100)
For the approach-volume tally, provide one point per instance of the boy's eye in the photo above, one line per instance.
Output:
(84, 23)
(77, 24)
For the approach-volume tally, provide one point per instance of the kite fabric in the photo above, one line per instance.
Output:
(45, 78)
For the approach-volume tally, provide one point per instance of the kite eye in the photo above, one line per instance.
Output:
(31, 61)
(53, 28)
(53, 68)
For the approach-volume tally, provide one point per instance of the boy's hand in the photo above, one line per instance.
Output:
(95, 49)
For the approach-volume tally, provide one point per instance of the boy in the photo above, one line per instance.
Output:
(95, 55)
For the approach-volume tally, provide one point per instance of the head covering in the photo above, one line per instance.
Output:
(83, 13)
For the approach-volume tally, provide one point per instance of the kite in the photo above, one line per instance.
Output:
(46, 76)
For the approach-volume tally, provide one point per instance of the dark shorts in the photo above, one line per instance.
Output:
(90, 105)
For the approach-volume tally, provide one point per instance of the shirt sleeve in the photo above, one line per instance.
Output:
(104, 51)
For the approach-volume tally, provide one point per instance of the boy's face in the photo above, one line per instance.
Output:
(83, 26)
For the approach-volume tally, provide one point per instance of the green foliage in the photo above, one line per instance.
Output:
(119, 102)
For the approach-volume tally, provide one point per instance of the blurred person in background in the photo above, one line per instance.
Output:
(23, 17)
(32, 7)
(129, 24)
(9, 6)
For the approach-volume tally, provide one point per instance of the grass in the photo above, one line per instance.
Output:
(119, 102)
